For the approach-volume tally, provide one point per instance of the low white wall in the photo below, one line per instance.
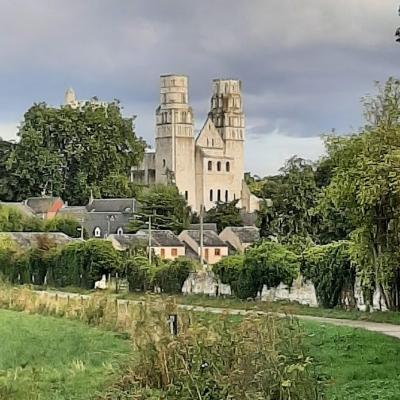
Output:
(301, 292)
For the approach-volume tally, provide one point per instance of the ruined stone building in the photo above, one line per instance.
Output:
(206, 168)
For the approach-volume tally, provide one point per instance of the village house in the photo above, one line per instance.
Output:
(214, 248)
(164, 243)
(240, 237)
(102, 217)
(41, 207)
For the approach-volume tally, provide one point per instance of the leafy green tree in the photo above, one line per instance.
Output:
(5, 150)
(224, 214)
(139, 273)
(170, 276)
(68, 152)
(267, 263)
(366, 188)
(294, 196)
(118, 186)
(70, 226)
(166, 207)
(13, 220)
(83, 263)
(332, 273)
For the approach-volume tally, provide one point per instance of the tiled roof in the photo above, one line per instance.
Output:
(207, 226)
(103, 220)
(112, 205)
(41, 205)
(210, 238)
(246, 234)
(162, 238)
(129, 241)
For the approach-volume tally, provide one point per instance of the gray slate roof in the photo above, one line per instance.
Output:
(41, 205)
(33, 239)
(246, 234)
(162, 238)
(129, 240)
(92, 220)
(210, 238)
(112, 205)
(207, 226)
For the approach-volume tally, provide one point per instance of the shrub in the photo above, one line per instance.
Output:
(138, 273)
(331, 271)
(267, 263)
(217, 358)
(170, 276)
(83, 263)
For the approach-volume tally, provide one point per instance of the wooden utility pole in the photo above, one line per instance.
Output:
(150, 251)
(201, 235)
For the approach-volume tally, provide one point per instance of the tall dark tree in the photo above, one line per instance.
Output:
(166, 207)
(5, 150)
(224, 214)
(67, 151)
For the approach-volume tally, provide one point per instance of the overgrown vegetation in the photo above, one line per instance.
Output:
(267, 263)
(332, 273)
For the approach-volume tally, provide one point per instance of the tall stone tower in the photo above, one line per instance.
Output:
(228, 117)
(174, 137)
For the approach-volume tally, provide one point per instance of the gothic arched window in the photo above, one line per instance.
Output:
(219, 195)
(211, 195)
(226, 196)
(219, 166)
(210, 165)
(228, 166)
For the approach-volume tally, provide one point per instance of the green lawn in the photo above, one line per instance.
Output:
(360, 364)
(50, 358)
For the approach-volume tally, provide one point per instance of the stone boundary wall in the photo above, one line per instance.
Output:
(207, 284)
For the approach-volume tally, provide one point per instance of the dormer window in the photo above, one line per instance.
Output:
(97, 232)
(120, 231)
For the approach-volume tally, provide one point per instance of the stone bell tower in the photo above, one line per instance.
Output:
(228, 117)
(174, 137)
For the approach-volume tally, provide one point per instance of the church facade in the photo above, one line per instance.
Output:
(207, 168)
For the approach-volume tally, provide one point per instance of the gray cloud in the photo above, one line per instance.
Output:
(304, 64)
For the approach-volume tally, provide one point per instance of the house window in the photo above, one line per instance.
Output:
(162, 253)
(174, 252)
(164, 163)
(120, 231)
(219, 166)
(226, 196)
(211, 195)
(97, 232)
(228, 166)
(186, 195)
(217, 252)
(219, 195)
(210, 165)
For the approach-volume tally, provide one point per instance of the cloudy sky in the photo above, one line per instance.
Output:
(304, 64)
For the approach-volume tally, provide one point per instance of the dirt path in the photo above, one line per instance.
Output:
(385, 329)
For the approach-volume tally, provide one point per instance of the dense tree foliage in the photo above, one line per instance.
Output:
(366, 188)
(224, 214)
(332, 273)
(12, 220)
(68, 152)
(267, 263)
(5, 150)
(166, 207)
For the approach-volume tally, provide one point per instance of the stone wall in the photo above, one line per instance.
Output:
(207, 284)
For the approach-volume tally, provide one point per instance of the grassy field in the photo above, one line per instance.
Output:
(50, 358)
(357, 364)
